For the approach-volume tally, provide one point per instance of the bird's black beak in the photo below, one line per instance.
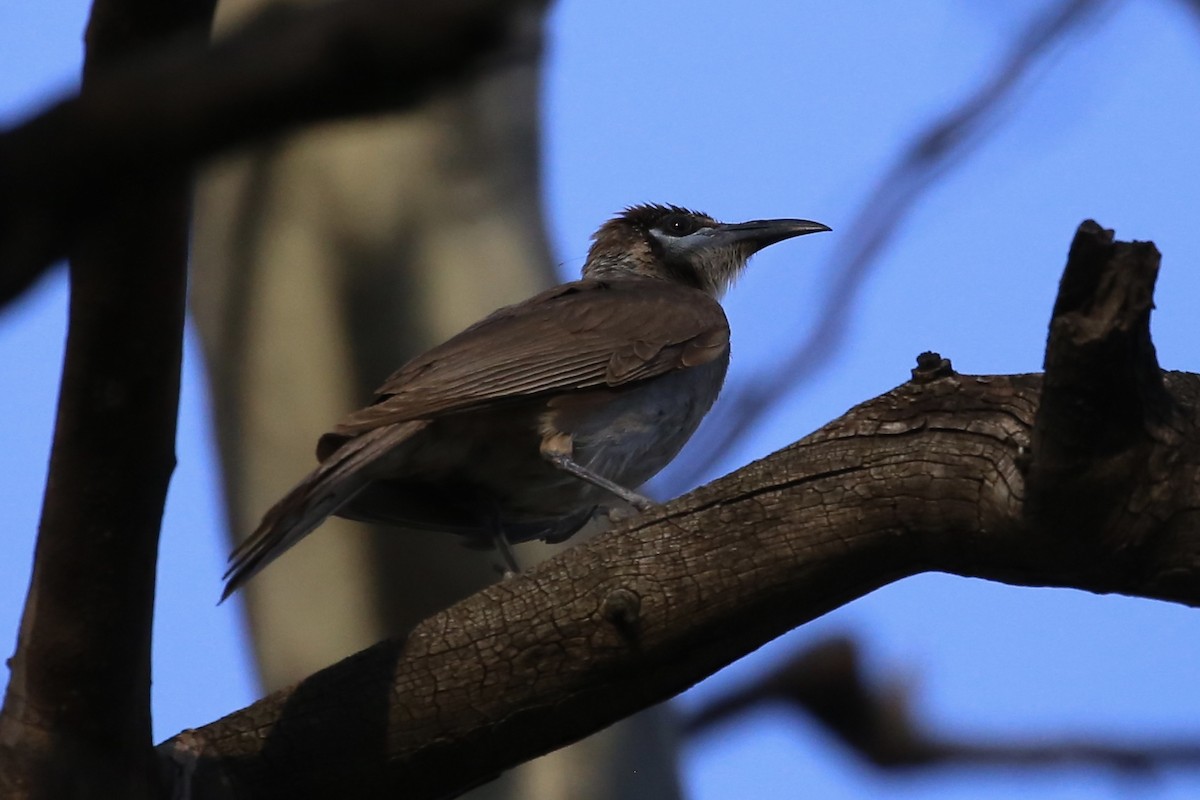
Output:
(757, 234)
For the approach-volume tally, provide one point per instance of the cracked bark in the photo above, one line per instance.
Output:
(932, 476)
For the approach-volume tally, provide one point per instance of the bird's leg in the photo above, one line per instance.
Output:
(557, 449)
(503, 546)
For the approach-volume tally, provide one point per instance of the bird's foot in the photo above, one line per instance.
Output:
(640, 502)
(623, 513)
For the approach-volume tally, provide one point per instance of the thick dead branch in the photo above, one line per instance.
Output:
(175, 106)
(1105, 413)
(876, 722)
(928, 477)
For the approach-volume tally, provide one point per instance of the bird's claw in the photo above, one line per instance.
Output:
(618, 514)
(642, 504)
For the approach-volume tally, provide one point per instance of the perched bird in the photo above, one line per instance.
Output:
(521, 425)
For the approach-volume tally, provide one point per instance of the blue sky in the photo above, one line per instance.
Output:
(788, 109)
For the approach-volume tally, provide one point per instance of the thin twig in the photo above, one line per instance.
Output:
(875, 720)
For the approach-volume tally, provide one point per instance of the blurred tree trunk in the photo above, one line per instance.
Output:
(323, 261)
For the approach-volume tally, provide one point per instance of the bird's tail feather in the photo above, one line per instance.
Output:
(340, 477)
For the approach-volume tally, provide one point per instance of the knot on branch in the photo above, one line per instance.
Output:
(931, 367)
(623, 608)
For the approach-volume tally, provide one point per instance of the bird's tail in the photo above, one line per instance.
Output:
(341, 476)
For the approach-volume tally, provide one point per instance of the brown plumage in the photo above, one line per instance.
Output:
(518, 427)
(580, 335)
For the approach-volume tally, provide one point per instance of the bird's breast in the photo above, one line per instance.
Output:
(629, 434)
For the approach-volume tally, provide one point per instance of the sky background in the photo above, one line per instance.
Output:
(787, 109)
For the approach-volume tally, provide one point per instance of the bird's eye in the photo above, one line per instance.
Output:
(679, 225)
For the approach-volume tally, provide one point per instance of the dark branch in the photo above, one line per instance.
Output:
(76, 715)
(826, 682)
(927, 477)
(1103, 383)
(1106, 414)
(1194, 7)
(177, 105)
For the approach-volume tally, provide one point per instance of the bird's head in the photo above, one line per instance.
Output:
(682, 246)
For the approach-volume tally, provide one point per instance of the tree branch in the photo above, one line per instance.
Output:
(826, 682)
(928, 477)
(76, 715)
(175, 106)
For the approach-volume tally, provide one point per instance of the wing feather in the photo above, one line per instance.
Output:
(580, 335)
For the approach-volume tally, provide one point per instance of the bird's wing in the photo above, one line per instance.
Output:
(585, 334)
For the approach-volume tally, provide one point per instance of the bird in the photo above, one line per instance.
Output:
(524, 424)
